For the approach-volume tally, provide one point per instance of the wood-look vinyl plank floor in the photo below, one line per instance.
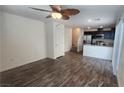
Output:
(72, 70)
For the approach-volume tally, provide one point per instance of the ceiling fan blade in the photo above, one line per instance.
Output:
(70, 12)
(65, 17)
(56, 8)
(40, 9)
(49, 16)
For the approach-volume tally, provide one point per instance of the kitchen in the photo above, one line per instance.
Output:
(99, 43)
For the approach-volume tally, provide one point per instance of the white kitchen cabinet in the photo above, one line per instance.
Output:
(55, 39)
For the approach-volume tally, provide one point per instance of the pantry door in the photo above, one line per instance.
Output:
(59, 40)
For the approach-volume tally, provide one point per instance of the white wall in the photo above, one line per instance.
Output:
(0, 40)
(68, 39)
(76, 32)
(117, 47)
(120, 71)
(23, 41)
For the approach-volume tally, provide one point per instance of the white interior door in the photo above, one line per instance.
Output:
(59, 40)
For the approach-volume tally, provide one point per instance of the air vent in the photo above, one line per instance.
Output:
(97, 19)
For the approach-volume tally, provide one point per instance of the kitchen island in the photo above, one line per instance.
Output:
(102, 52)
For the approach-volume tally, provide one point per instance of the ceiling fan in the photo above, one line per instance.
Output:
(59, 13)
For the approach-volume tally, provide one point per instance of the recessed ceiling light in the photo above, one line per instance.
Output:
(88, 27)
(89, 20)
(101, 27)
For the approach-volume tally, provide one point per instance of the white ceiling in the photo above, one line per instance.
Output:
(107, 13)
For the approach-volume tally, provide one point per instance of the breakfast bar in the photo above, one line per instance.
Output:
(102, 52)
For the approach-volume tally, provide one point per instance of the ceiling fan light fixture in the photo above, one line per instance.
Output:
(57, 15)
